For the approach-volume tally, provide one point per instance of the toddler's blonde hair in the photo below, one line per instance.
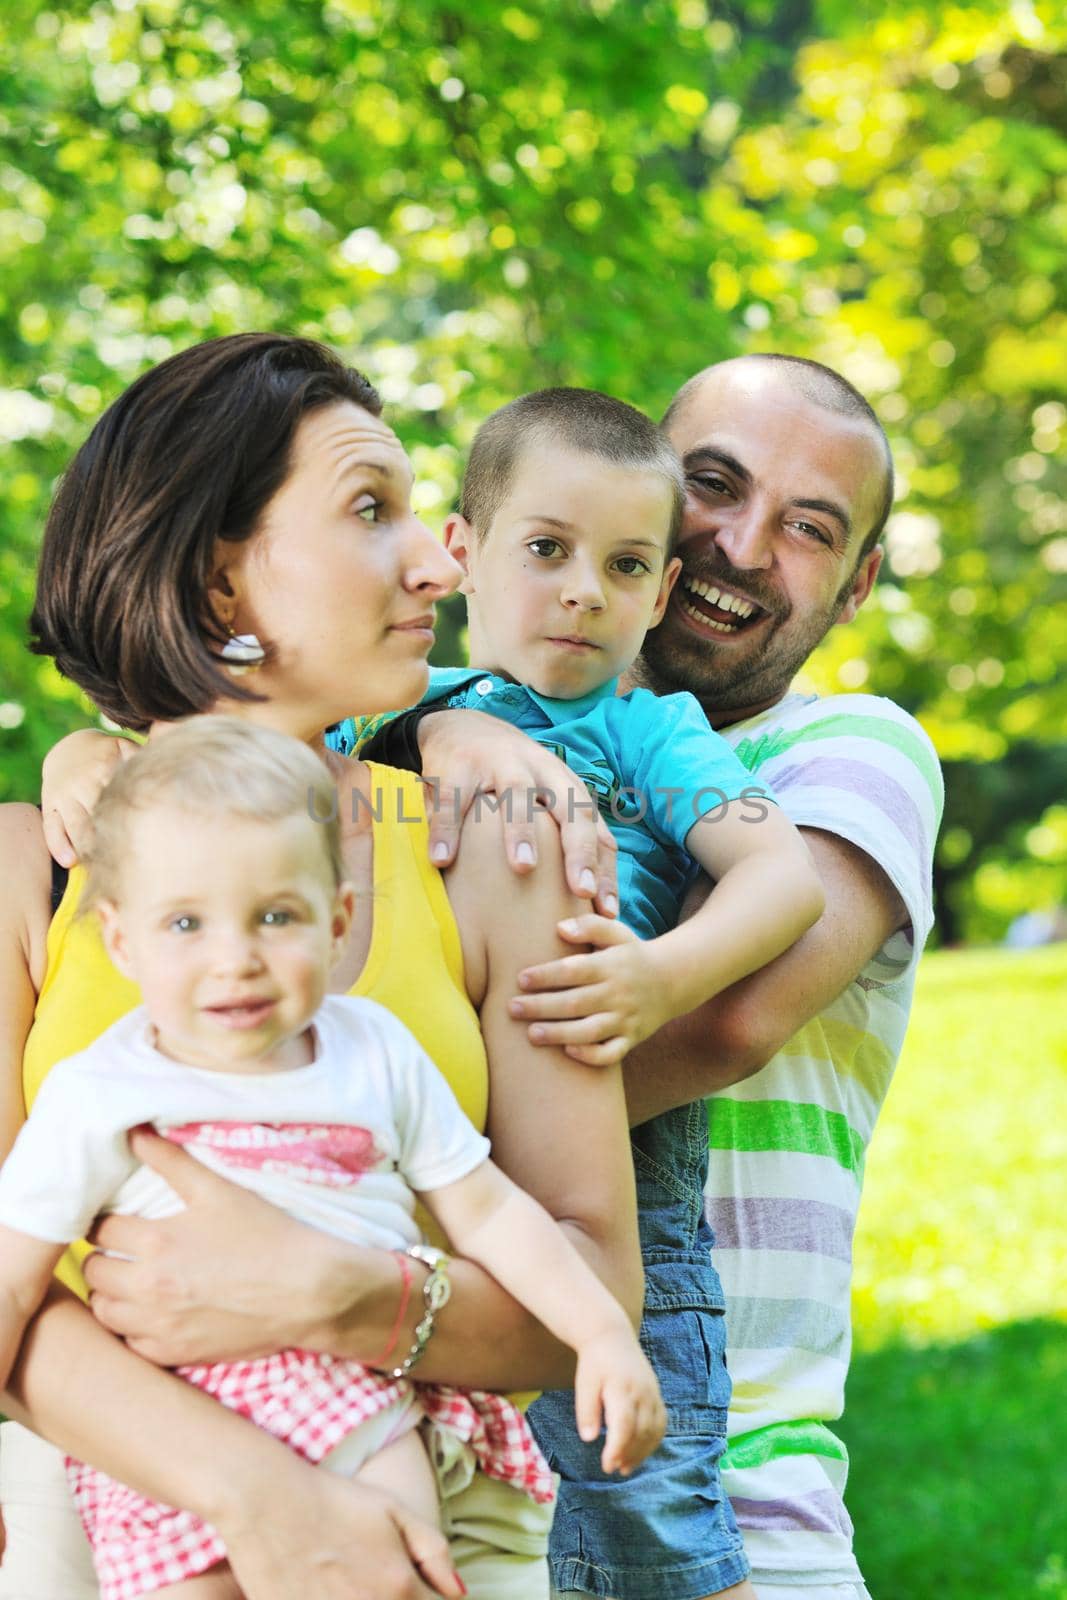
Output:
(217, 767)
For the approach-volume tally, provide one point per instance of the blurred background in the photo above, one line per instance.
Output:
(473, 202)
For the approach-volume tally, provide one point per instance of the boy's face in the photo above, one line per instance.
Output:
(229, 927)
(570, 574)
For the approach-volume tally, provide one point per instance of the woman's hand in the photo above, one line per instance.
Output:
(467, 755)
(313, 1533)
(229, 1277)
(72, 776)
(597, 1005)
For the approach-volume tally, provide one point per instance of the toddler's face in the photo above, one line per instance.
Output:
(230, 928)
(571, 574)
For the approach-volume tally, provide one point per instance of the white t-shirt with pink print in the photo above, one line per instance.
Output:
(339, 1144)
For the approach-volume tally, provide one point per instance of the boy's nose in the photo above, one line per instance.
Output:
(582, 591)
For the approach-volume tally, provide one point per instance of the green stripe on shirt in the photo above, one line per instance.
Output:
(851, 727)
(808, 1438)
(783, 1125)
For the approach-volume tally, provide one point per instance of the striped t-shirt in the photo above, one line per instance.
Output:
(788, 1145)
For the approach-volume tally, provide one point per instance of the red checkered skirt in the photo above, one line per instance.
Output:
(311, 1402)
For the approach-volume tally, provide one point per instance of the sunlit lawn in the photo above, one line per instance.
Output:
(957, 1405)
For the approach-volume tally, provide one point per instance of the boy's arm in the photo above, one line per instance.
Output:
(26, 1268)
(492, 1221)
(601, 1005)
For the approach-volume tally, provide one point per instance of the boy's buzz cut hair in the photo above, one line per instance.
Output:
(582, 420)
(216, 767)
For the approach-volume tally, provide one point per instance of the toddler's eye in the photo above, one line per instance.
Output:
(631, 566)
(545, 548)
(277, 919)
(185, 924)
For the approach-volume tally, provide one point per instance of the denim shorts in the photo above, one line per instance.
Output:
(667, 1532)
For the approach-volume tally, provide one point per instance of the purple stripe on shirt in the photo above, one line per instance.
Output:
(821, 1512)
(778, 1224)
(855, 777)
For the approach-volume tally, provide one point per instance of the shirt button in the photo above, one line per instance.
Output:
(483, 686)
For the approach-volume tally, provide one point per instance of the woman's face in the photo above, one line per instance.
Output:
(340, 579)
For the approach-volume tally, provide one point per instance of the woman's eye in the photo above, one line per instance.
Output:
(185, 924)
(545, 548)
(632, 566)
(277, 919)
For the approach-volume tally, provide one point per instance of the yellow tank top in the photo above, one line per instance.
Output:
(414, 967)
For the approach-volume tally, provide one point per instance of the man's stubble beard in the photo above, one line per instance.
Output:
(720, 677)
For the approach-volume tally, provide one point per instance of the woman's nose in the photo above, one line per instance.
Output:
(427, 564)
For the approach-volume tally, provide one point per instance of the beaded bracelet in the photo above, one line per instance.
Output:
(436, 1292)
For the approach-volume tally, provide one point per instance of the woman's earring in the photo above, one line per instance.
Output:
(242, 653)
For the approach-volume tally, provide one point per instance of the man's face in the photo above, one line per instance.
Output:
(780, 496)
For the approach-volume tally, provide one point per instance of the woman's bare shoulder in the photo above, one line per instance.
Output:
(26, 872)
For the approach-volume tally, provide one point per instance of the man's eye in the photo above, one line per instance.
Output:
(185, 924)
(370, 510)
(632, 566)
(277, 919)
(810, 531)
(545, 548)
(709, 482)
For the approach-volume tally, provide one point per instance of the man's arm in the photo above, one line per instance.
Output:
(738, 1032)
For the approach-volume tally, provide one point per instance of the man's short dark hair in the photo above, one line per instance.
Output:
(192, 452)
(826, 388)
(582, 420)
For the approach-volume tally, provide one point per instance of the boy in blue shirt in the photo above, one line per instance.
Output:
(571, 507)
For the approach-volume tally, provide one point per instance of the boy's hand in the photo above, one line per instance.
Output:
(615, 1387)
(597, 1005)
(74, 772)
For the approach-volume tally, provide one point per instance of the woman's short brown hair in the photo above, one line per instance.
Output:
(191, 453)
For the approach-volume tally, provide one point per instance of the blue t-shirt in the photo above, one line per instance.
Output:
(652, 763)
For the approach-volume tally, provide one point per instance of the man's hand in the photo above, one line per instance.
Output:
(614, 1385)
(597, 1005)
(74, 772)
(480, 762)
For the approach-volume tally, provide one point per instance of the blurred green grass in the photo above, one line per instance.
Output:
(956, 1416)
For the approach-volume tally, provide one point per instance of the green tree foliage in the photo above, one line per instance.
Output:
(603, 192)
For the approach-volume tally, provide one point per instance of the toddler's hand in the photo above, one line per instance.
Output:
(598, 1005)
(614, 1385)
(74, 772)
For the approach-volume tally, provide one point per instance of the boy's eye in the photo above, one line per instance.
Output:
(545, 548)
(277, 919)
(185, 924)
(631, 566)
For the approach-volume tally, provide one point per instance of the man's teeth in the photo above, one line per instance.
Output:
(719, 597)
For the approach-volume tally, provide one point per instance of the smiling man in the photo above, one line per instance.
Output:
(789, 483)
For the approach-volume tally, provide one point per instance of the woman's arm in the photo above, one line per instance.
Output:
(559, 1130)
(25, 912)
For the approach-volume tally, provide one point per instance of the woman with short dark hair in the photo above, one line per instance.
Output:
(237, 534)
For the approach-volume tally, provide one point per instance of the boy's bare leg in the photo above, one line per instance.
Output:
(218, 1584)
(403, 1470)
